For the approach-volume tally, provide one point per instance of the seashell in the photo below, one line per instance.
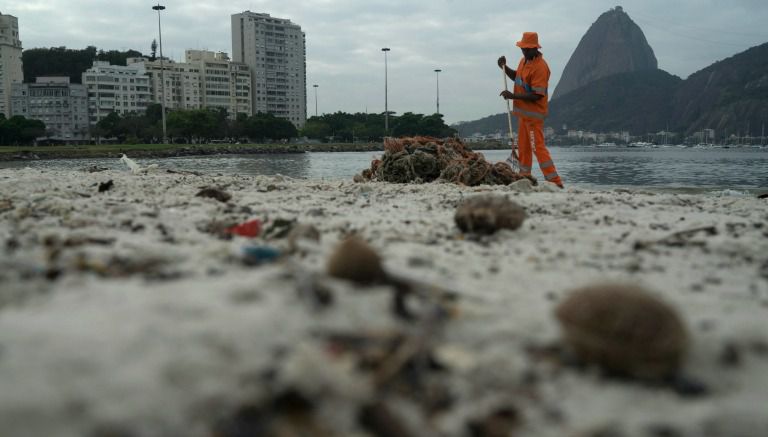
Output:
(488, 213)
(624, 329)
(354, 260)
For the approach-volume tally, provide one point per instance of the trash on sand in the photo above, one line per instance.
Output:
(94, 169)
(150, 267)
(680, 239)
(309, 286)
(214, 193)
(6, 205)
(249, 229)
(425, 159)
(487, 214)
(355, 260)
(301, 233)
(380, 420)
(279, 228)
(285, 414)
(106, 186)
(257, 255)
(498, 423)
(625, 330)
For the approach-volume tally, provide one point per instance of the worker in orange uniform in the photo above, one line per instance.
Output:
(530, 106)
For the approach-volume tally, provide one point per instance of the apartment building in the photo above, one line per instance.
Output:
(11, 71)
(275, 50)
(61, 105)
(182, 83)
(205, 80)
(223, 83)
(115, 88)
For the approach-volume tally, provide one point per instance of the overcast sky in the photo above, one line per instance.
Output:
(345, 37)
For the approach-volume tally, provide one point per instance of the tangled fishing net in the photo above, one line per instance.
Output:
(426, 159)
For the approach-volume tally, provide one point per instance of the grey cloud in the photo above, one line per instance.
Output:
(344, 38)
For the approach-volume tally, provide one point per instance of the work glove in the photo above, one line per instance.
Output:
(506, 94)
(502, 62)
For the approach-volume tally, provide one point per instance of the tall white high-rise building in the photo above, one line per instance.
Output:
(275, 50)
(10, 60)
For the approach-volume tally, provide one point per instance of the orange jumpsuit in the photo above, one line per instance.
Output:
(533, 78)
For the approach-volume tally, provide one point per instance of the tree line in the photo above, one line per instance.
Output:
(204, 125)
(18, 130)
(342, 127)
(72, 63)
(192, 126)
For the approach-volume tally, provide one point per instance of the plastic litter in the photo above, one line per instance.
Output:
(249, 229)
(136, 168)
(256, 255)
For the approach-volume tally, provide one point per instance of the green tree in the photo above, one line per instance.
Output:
(61, 61)
(179, 124)
(18, 130)
(408, 124)
(3, 129)
(116, 57)
(315, 128)
(110, 125)
(265, 126)
(203, 124)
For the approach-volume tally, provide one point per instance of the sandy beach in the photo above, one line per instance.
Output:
(132, 312)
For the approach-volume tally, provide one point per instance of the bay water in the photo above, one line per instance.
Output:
(673, 168)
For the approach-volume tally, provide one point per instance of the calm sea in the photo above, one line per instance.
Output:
(674, 168)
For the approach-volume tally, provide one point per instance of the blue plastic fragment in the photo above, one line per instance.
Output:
(260, 254)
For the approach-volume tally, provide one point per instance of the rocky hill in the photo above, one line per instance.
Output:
(613, 44)
(730, 96)
(637, 102)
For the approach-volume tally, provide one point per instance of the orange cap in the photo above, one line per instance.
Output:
(530, 41)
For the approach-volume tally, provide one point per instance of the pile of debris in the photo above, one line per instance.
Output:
(426, 159)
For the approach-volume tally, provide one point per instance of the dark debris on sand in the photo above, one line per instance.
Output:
(426, 159)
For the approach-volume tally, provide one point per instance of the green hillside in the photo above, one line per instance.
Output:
(638, 102)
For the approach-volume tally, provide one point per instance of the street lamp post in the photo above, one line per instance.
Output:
(159, 8)
(386, 105)
(315, 86)
(437, 76)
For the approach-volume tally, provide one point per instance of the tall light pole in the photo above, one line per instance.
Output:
(386, 105)
(315, 86)
(437, 76)
(159, 8)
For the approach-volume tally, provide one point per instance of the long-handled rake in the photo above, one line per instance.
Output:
(513, 160)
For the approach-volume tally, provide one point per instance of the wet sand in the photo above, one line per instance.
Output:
(130, 312)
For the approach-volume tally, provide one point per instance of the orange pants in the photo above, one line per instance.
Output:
(531, 129)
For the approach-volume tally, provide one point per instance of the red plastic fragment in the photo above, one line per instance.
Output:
(250, 229)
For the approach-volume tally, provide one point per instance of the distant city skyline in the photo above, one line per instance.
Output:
(344, 40)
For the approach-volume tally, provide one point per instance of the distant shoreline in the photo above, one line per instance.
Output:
(34, 153)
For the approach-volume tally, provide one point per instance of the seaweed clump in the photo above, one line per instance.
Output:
(426, 159)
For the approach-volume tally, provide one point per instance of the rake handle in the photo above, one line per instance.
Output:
(509, 110)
